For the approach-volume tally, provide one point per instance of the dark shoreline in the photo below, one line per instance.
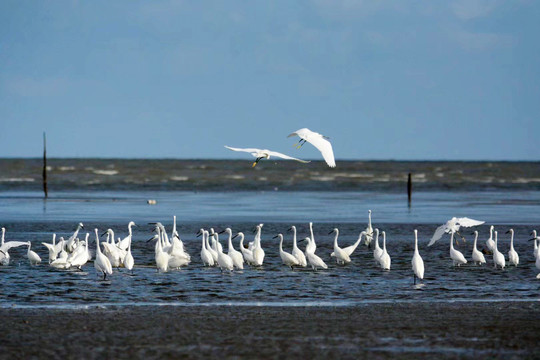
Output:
(405, 330)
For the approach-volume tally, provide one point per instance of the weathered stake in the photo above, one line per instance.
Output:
(45, 165)
(409, 188)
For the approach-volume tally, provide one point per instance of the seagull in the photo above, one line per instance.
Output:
(264, 154)
(452, 226)
(319, 141)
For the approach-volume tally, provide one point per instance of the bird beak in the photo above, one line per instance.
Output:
(289, 229)
(531, 239)
(275, 237)
(330, 232)
(104, 233)
(152, 238)
(221, 232)
(508, 232)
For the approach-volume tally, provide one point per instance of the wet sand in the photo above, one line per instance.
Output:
(404, 330)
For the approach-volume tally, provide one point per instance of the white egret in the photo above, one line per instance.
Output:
(498, 257)
(312, 246)
(314, 260)
(224, 261)
(341, 255)
(112, 251)
(417, 262)
(124, 243)
(129, 262)
(513, 257)
(161, 257)
(452, 226)
(477, 256)
(489, 242)
(377, 252)
(212, 252)
(5, 246)
(258, 252)
(206, 256)
(536, 239)
(61, 261)
(287, 258)
(296, 252)
(101, 262)
(369, 230)
(456, 255)
(246, 253)
(80, 256)
(264, 154)
(385, 260)
(33, 258)
(53, 253)
(350, 249)
(70, 242)
(317, 140)
(236, 256)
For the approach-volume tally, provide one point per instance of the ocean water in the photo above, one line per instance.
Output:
(202, 194)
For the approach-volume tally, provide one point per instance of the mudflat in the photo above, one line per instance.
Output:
(381, 330)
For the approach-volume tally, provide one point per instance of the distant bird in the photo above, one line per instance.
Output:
(32, 256)
(296, 252)
(265, 154)
(452, 226)
(498, 257)
(477, 256)
(456, 255)
(417, 262)
(341, 255)
(319, 141)
(513, 257)
(287, 258)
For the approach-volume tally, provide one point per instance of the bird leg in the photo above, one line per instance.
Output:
(300, 143)
(414, 276)
(461, 236)
(104, 276)
(256, 161)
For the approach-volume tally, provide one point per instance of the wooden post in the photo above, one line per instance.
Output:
(409, 188)
(45, 165)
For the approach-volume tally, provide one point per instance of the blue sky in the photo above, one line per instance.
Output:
(410, 80)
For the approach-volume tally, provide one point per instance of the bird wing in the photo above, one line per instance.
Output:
(248, 150)
(324, 147)
(302, 133)
(11, 244)
(283, 156)
(439, 232)
(466, 222)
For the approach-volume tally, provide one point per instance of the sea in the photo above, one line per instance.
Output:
(109, 193)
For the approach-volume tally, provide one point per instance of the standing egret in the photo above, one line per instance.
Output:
(452, 226)
(317, 140)
(369, 230)
(513, 257)
(312, 246)
(265, 154)
(61, 261)
(350, 249)
(33, 258)
(258, 252)
(5, 246)
(206, 256)
(224, 261)
(52, 249)
(314, 260)
(161, 257)
(456, 255)
(236, 256)
(129, 262)
(296, 252)
(489, 242)
(101, 262)
(246, 253)
(384, 259)
(498, 257)
(70, 242)
(535, 238)
(377, 252)
(417, 262)
(124, 243)
(287, 259)
(477, 256)
(341, 255)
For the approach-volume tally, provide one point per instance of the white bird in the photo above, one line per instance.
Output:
(317, 140)
(264, 154)
(258, 252)
(313, 259)
(161, 257)
(369, 230)
(5, 246)
(129, 262)
(124, 243)
(287, 258)
(53, 253)
(101, 262)
(498, 257)
(350, 249)
(377, 252)
(33, 258)
(452, 226)
(417, 262)
(224, 261)
(61, 261)
(296, 252)
(535, 238)
(456, 255)
(80, 255)
(212, 252)
(246, 253)
(477, 256)
(206, 256)
(312, 246)
(112, 251)
(489, 242)
(236, 256)
(385, 260)
(341, 255)
(70, 242)
(513, 257)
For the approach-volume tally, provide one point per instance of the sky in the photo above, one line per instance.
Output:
(385, 80)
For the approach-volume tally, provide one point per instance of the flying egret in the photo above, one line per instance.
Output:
(498, 257)
(296, 252)
(101, 262)
(452, 226)
(417, 262)
(287, 258)
(341, 255)
(33, 258)
(5, 246)
(314, 260)
(456, 255)
(513, 257)
(477, 256)
(384, 259)
(489, 242)
(265, 154)
(317, 140)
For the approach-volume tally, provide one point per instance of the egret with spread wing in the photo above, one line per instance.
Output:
(452, 226)
(264, 154)
(319, 141)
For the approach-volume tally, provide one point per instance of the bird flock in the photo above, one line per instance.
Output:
(170, 254)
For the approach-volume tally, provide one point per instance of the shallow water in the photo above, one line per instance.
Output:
(27, 217)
